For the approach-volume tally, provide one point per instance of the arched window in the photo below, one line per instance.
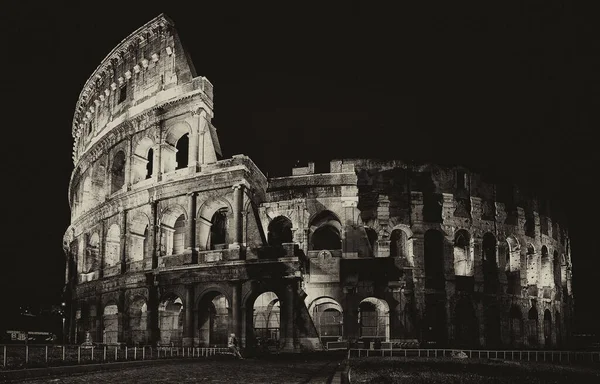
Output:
(372, 238)
(113, 246)
(516, 321)
(463, 262)
(280, 231)
(434, 259)
(546, 270)
(182, 151)
(179, 235)
(547, 329)
(490, 267)
(556, 271)
(117, 171)
(532, 327)
(150, 164)
(218, 229)
(399, 244)
(532, 266)
(325, 232)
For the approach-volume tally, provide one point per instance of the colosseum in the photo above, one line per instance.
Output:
(170, 243)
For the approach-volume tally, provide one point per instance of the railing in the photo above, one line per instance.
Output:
(35, 356)
(541, 356)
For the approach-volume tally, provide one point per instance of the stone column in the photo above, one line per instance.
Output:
(154, 234)
(129, 166)
(238, 207)
(188, 325)
(124, 231)
(236, 309)
(288, 311)
(191, 226)
(102, 250)
(152, 309)
(197, 115)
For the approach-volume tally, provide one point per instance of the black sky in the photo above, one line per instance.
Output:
(513, 88)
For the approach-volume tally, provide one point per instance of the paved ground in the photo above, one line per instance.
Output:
(295, 369)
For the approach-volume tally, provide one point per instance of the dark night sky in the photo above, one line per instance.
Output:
(512, 88)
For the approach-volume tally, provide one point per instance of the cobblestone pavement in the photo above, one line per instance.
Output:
(207, 371)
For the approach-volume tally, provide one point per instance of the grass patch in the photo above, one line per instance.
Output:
(446, 370)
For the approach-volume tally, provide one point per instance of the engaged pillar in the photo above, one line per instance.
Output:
(188, 325)
(191, 235)
(288, 304)
(236, 310)
(238, 207)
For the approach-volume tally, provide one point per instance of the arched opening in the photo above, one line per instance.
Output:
(490, 266)
(557, 326)
(434, 259)
(213, 321)
(515, 326)
(142, 160)
(466, 325)
(532, 327)
(280, 231)
(266, 319)
(150, 163)
(218, 229)
(325, 232)
(173, 231)
(513, 266)
(182, 147)
(175, 154)
(374, 316)
(138, 235)
(179, 235)
(434, 326)
(492, 323)
(113, 246)
(117, 172)
(372, 238)
(546, 269)
(138, 321)
(170, 320)
(111, 324)
(463, 262)
(327, 315)
(92, 255)
(547, 329)
(399, 244)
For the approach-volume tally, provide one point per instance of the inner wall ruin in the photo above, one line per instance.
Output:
(172, 244)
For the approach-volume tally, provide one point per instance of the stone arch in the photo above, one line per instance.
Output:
(213, 223)
(138, 320)
(266, 320)
(328, 316)
(374, 319)
(176, 153)
(113, 246)
(434, 259)
(463, 257)
(92, 253)
(138, 236)
(170, 314)
(117, 172)
(280, 231)
(547, 329)
(532, 327)
(515, 326)
(466, 324)
(111, 322)
(401, 243)
(325, 231)
(490, 264)
(213, 317)
(143, 160)
(173, 230)
(513, 262)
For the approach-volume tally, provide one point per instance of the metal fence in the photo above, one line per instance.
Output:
(533, 355)
(36, 356)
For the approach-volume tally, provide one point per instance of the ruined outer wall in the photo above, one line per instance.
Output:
(388, 195)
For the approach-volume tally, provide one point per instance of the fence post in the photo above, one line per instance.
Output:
(63, 353)
(46, 354)
(26, 354)
(125, 352)
(4, 356)
(78, 355)
(92, 353)
(104, 358)
(135, 353)
(116, 353)
(144, 352)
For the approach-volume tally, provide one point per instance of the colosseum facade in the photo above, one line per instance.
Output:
(172, 244)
